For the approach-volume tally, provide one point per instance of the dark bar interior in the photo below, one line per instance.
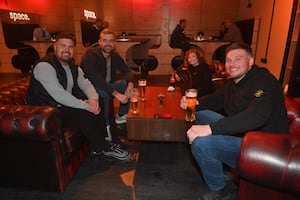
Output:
(235, 138)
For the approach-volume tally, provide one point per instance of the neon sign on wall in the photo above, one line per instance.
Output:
(19, 16)
(89, 14)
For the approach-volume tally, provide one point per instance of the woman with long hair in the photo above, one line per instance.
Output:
(195, 73)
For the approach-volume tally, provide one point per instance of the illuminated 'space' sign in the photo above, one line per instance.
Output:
(19, 16)
(89, 14)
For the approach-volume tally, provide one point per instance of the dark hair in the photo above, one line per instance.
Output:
(66, 35)
(239, 45)
(182, 20)
(107, 31)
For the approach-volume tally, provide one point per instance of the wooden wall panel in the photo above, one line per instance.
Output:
(146, 16)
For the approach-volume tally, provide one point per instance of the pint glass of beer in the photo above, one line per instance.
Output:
(191, 99)
(142, 83)
(134, 101)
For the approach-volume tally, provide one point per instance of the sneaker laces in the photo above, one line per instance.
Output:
(114, 145)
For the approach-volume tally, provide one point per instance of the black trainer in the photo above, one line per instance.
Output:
(113, 152)
(227, 193)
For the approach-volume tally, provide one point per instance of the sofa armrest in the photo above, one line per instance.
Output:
(29, 123)
(32, 148)
(272, 160)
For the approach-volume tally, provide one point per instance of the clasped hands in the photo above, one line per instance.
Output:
(93, 106)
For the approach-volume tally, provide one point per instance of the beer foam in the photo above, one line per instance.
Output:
(191, 94)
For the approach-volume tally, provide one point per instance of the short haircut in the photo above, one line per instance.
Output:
(99, 20)
(107, 31)
(182, 20)
(239, 45)
(66, 35)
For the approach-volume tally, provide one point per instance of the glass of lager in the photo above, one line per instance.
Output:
(134, 101)
(142, 83)
(191, 99)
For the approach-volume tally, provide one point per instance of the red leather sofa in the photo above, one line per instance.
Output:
(269, 164)
(37, 151)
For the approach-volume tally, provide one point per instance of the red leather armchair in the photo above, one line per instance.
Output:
(37, 151)
(269, 164)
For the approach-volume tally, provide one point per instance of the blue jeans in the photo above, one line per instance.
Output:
(120, 86)
(212, 151)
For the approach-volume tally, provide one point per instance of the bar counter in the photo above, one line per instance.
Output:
(40, 46)
(123, 47)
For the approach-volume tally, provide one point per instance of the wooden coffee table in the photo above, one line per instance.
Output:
(148, 124)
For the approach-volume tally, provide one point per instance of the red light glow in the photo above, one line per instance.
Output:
(31, 6)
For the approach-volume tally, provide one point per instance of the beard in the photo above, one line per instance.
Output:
(107, 48)
(65, 57)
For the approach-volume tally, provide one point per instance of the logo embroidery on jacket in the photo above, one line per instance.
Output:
(259, 93)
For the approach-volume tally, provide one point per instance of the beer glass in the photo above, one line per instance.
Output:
(134, 101)
(142, 83)
(191, 99)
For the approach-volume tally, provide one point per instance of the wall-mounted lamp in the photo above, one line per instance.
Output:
(249, 4)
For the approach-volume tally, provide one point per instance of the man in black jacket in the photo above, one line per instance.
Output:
(251, 100)
(178, 38)
(94, 32)
(100, 64)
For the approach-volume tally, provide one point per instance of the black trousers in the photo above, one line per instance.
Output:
(92, 126)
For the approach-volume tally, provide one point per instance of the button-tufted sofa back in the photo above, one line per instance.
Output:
(14, 93)
(38, 151)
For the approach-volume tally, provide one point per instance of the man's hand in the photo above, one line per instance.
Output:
(198, 131)
(121, 97)
(183, 103)
(93, 106)
(129, 90)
